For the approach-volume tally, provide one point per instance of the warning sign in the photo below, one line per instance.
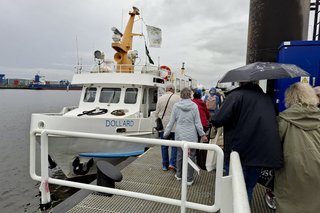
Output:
(305, 79)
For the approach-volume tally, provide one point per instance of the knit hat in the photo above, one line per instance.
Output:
(213, 90)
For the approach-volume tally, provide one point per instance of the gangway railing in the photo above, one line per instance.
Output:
(230, 192)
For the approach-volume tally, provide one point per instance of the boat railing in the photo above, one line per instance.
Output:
(111, 67)
(230, 191)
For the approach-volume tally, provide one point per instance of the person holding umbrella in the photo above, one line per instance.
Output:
(250, 127)
(249, 119)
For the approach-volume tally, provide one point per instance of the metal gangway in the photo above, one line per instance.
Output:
(230, 194)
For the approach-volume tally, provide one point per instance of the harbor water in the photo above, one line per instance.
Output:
(18, 192)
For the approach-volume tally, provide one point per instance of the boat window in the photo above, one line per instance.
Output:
(90, 94)
(110, 95)
(158, 80)
(177, 85)
(131, 96)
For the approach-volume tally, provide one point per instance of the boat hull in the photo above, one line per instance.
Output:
(71, 152)
(64, 151)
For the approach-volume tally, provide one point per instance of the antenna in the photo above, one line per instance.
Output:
(77, 50)
(78, 63)
(122, 19)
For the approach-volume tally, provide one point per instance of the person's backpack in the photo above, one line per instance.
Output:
(212, 102)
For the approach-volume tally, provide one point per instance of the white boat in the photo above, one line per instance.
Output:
(117, 98)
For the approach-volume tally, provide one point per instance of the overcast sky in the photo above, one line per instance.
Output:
(39, 36)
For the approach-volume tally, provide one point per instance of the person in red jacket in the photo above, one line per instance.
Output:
(203, 110)
(204, 117)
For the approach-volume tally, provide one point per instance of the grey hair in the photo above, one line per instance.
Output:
(185, 93)
(169, 86)
(300, 93)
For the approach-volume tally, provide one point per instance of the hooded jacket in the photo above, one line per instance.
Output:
(250, 127)
(297, 184)
(185, 115)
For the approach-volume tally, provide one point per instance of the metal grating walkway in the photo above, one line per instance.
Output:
(145, 175)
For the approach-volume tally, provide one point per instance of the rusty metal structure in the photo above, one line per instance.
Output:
(272, 22)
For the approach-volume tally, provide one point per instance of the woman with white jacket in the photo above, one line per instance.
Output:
(185, 115)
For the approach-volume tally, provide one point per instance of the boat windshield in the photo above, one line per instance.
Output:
(131, 96)
(90, 94)
(110, 95)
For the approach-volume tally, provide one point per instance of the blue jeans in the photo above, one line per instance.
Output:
(165, 152)
(251, 175)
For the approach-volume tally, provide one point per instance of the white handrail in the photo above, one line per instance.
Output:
(183, 203)
(240, 196)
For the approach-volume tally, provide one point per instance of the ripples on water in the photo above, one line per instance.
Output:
(18, 192)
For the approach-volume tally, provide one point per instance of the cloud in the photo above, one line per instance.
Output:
(209, 36)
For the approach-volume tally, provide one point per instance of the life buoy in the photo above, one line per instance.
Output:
(167, 71)
(165, 67)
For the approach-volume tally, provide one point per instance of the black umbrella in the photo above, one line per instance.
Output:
(262, 71)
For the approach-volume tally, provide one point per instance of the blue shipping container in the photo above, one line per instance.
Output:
(305, 54)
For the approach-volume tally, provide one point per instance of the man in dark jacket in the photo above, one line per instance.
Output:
(250, 128)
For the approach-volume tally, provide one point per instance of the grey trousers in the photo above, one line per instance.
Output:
(190, 168)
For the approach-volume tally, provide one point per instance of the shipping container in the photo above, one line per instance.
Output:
(305, 54)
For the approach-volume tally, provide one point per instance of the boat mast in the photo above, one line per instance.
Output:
(124, 64)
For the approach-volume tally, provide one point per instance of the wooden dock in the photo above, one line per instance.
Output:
(145, 175)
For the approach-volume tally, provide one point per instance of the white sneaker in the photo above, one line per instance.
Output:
(177, 177)
(189, 183)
